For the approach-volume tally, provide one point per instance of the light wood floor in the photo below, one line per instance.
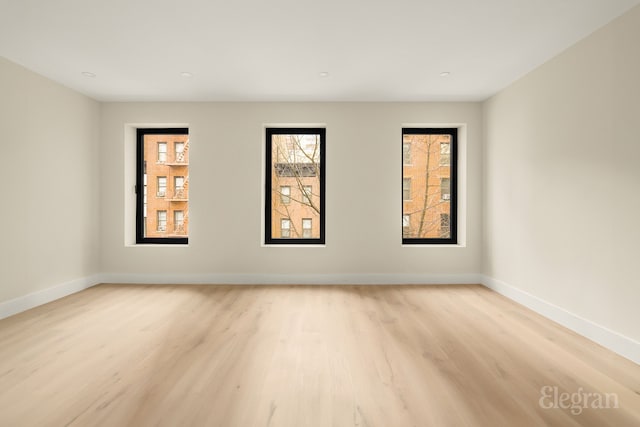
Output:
(295, 356)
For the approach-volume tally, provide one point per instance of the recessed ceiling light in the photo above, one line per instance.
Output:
(186, 74)
(88, 74)
(445, 73)
(324, 74)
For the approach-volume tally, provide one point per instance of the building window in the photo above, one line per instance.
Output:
(285, 194)
(162, 186)
(161, 221)
(445, 189)
(306, 194)
(179, 154)
(285, 228)
(295, 164)
(162, 152)
(406, 188)
(178, 187)
(406, 153)
(178, 222)
(445, 225)
(306, 227)
(406, 224)
(445, 154)
(429, 186)
(169, 213)
(178, 182)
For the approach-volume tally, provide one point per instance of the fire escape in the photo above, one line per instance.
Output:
(181, 194)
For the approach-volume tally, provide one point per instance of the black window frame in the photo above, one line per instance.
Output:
(453, 189)
(268, 232)
(140, 170)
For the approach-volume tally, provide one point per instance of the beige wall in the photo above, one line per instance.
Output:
(363, 190)
(50, 204)
(562, 178)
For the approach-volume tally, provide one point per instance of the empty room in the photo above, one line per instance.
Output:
(340, 213)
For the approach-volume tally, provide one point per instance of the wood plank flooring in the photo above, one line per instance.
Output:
(296, 356)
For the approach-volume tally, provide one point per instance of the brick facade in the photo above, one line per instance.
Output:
(426, 164)
(167, 185)
(296, 169)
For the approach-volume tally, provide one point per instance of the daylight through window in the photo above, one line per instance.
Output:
(429, 185)
(294, 191)
(163, 165)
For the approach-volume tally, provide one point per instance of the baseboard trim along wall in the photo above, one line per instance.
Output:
(35, 299)
(624, 346)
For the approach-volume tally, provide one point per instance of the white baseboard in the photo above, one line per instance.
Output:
(624, 346)
(34, 299)
(293, 279)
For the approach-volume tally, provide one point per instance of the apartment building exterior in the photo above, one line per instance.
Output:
(166, 185)
(295, 187)
(426, 185)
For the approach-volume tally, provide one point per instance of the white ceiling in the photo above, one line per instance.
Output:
(275, 50)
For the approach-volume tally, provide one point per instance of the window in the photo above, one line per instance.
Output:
(406, 223)
(306, 194)
(445, 189)
(285, 194)
(178, 222)
(306, 227)
(295, 159)
(429, 186)
(178, 187)
(444, 225)
(144, 198)
(178, 182)
(406, 188)
(445, 151)
(162, 186)
(161, 221)
(162, 152)
(164, 218)
(285, 228)
(406, 153)
(179, 146)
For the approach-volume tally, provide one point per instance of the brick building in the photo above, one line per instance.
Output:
(166, 186)
(295, 185)
(426, 186)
